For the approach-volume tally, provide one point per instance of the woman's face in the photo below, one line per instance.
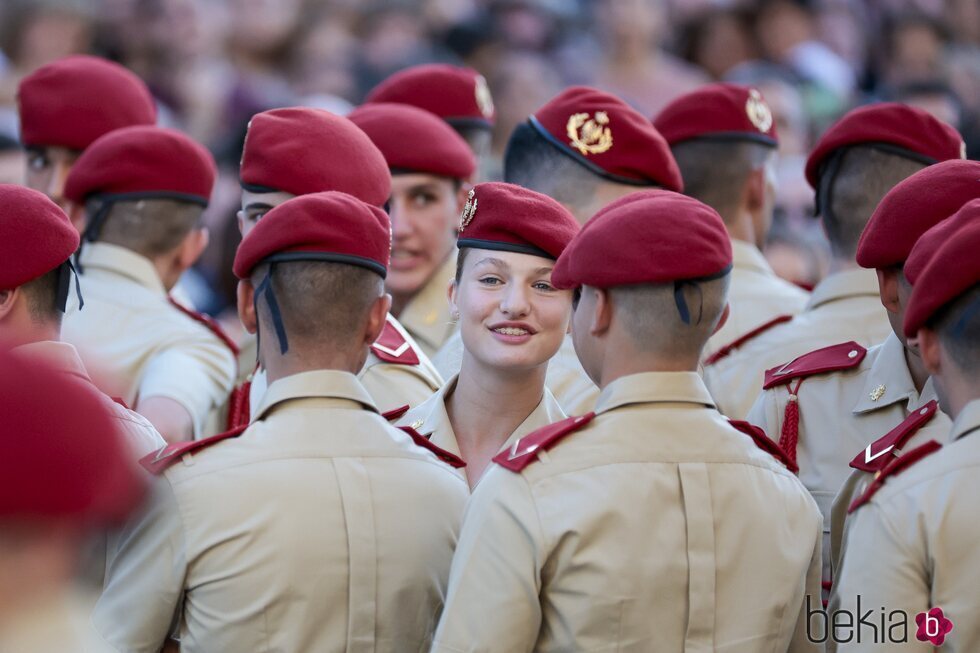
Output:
(510, 315)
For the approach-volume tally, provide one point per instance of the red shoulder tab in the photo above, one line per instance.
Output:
(525, 450)
(208, 322)
(738, 342)
(121, 402)
(394, 414)
(392, 347)
(893, 468)
(829, 359)
(452, 459)
(873, 458)
(158, 461)
(763, 442)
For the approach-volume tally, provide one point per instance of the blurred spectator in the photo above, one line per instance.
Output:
(11, 161)
(913, 51)
(720, 40)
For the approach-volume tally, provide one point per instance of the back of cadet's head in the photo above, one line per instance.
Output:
(715, 171)
(958, 327)
(150, 227)
(535, 164)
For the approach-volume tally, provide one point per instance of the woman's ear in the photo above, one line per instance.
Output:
(451, 291)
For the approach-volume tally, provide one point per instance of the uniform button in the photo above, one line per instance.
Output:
(852, 353)
(923, 411)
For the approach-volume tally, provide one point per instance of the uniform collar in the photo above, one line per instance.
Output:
(654, 387)
(60, 355)
(841, 285)
(426, 317)
(325, 384)
(123, 262)
(968, 421)
(888, 381)
(746, 256)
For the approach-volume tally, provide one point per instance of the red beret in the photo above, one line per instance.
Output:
(905, 130)
(608, 137)
(930, 242)
(414, 140)
(64, 459)
(510, 218)
(35, 235)
(329, 226)
(75, 100)
(460, 96)
(719, 112)
(912, 207)
(953, 269)
(295, 150)
(143, 161)
(650, 236)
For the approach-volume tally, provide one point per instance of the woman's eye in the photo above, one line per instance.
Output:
(424, 199)
(490, 281)
(255, 217)
(543, 285)
(37, 162)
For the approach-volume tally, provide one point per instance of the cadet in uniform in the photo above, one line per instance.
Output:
(64, 473)
(288, 152)
(724, 140)
(585, 148)
(458, 95)
(143, 190)
(36, 244)
(917, 522)
(430, 166)
(319, 527)
(653, 524)
(66, 105)
(512, 321)
(826, 407)
(857, 161)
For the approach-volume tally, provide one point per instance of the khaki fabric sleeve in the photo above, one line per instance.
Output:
(812, 597)
(767, 413)
(494, 585)
(392, 386)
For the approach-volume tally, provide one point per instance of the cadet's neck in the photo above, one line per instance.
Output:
(298, 360)
(621, 359)
(917, 369)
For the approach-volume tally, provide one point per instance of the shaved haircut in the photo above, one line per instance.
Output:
(715, 172)
(150, 227)
(958, 327)
(532, 162)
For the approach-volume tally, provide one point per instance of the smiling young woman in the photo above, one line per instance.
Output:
(512, 321)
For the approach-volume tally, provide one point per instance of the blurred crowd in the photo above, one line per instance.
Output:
(212, 64)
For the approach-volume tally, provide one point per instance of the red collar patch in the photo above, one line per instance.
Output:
(844, 356)
(763, 442)
(525, 450)
(894, 467)
(874, 459)
(450, 458)
(157, 462)
(395, 413)
(392, 347)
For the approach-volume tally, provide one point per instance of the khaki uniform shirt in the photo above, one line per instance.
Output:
(655, 527)
(756, 296)
(427, 316)
(390, 385)
(137, 345)
(567, 381)
(140, 435)
(844, 306)
(918, 537)
(58, 623)
(431, 420)
(320, 528)
(841, 413)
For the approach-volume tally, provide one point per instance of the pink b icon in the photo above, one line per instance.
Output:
(933, 626)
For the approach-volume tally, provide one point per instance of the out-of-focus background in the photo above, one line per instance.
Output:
(212, 64)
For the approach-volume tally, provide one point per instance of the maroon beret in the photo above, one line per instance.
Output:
(651, 236)
(75, 100)
(143, 161)
(64, 460)
(930, 242)
(460, 96)
(414, 140)
(912, 207)
(510, 218)
(35, 235)
(720, 112)
(953, 268)
(330, 226)
(295, 150)
(899, 128)
(608, 137)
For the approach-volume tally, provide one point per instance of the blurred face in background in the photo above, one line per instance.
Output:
(47, 169)
(256, 205)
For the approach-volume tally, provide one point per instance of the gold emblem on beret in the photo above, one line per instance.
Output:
(878, 393)
(758, 111)
(469, 210)
(483, 98)
(590, 135)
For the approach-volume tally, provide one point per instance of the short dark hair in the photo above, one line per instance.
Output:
(149, 227)
(958, 327)
(864, 174)
(460, 261)
(715, 171)
(532, 162)
(42, 297)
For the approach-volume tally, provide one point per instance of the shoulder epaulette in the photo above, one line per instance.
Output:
(893, 468)
(121, 402)
(240, 403)
(392, 347)
(158, 461)
(525, 450)
(725, 351)
(209, 323)
(873, 458)
(450, 458)
(844, 356)
(763, 442)
(395, 413)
